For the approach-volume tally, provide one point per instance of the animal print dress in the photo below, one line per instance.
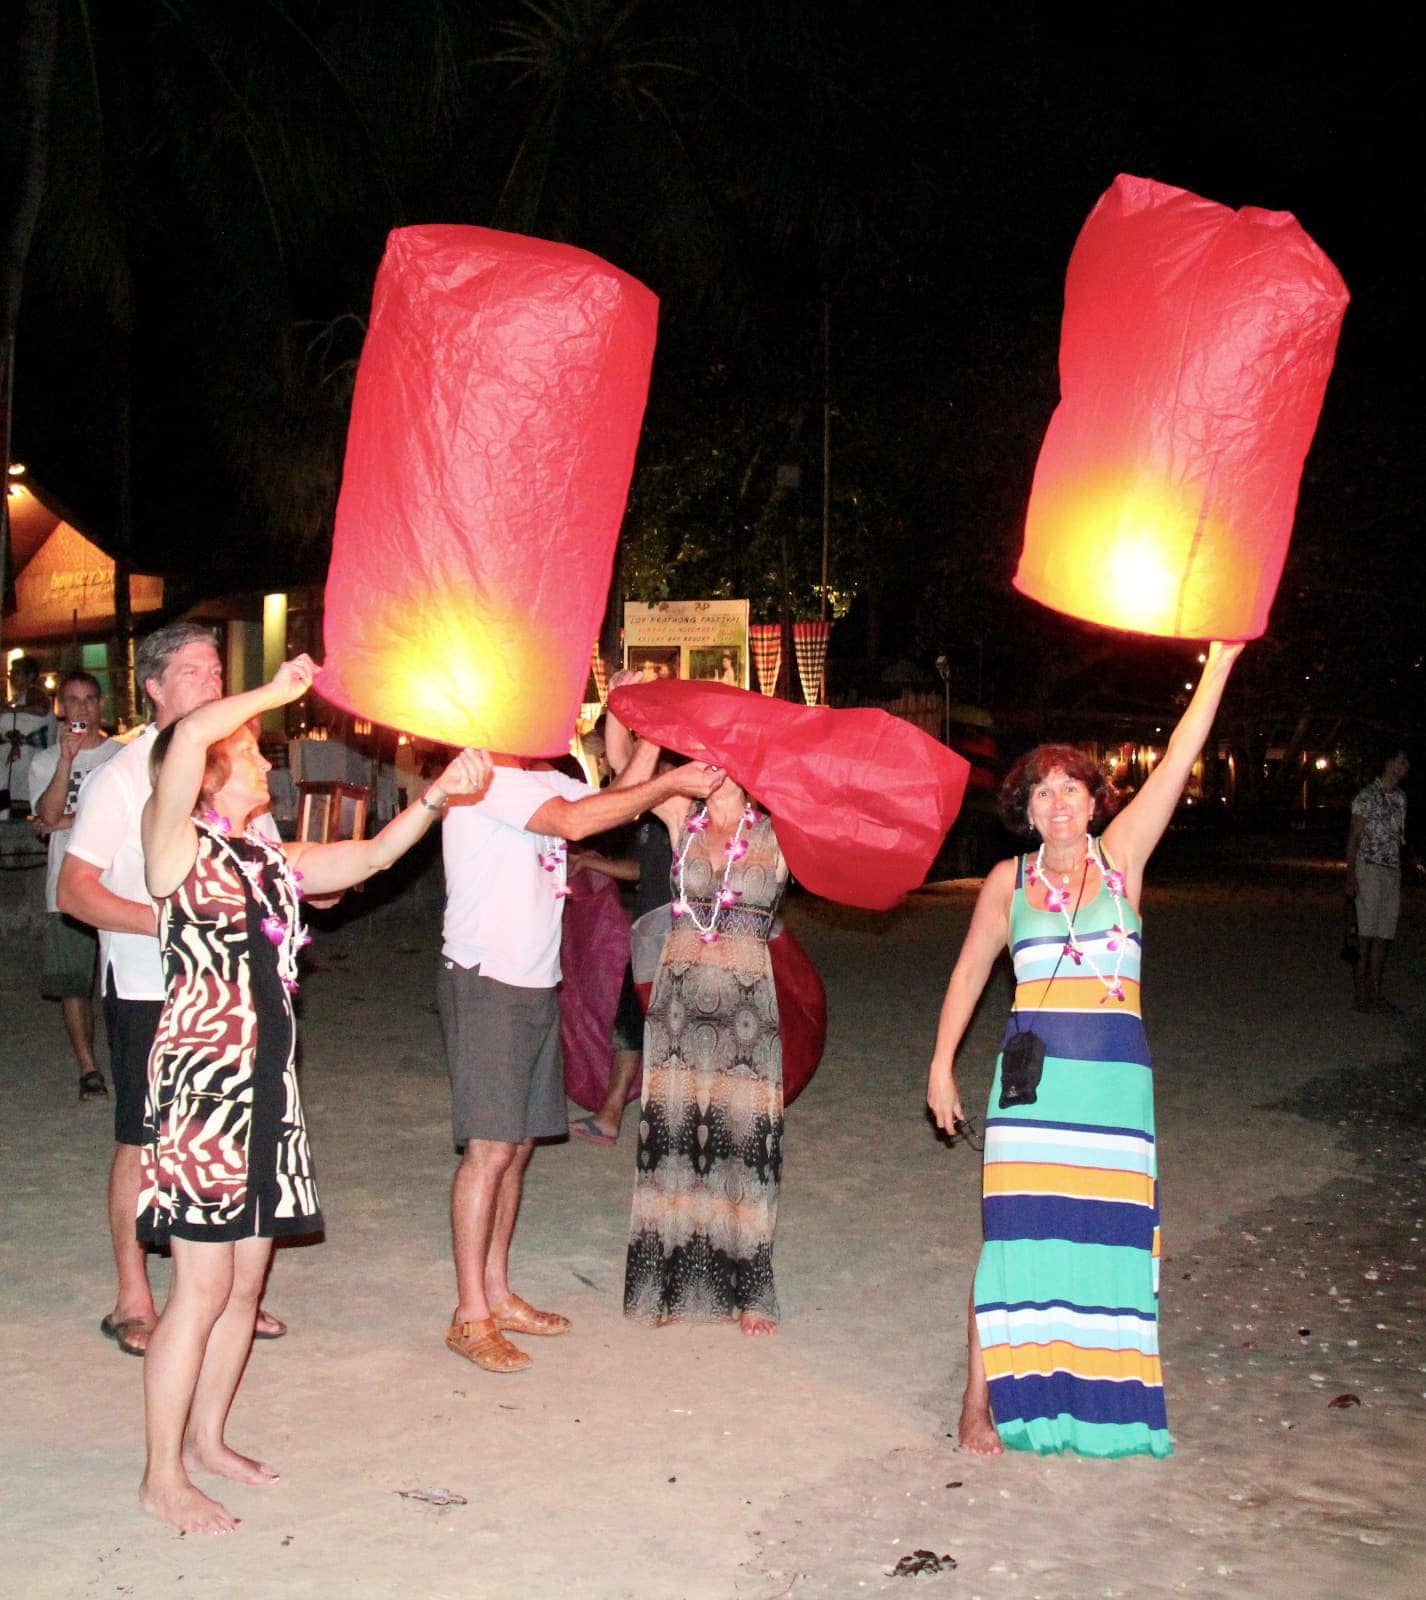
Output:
(225, 1151)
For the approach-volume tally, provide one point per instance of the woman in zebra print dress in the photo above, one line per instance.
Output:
(226, 1167)
(1063, 1319)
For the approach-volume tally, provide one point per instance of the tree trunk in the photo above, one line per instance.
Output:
(123, 681)
(29, 74)
(613, 625)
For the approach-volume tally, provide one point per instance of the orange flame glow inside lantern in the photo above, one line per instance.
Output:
(1196, 347)
(494, 424)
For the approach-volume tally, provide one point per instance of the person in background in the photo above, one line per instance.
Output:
(28, 727)
(1376, 837)
(70, 950)
(648, 870)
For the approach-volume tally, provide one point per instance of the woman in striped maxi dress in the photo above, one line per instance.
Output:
(1063, 1321)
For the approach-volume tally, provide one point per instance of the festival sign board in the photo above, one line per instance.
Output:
(704, 640)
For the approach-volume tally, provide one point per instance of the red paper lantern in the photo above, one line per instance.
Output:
(861, 800)
(1196, 346)
(496, 414)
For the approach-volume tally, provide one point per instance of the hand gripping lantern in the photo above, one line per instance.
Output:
(1195, 350)
(496, 414)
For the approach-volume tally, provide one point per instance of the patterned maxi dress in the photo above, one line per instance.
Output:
(710, 1116)
(1066, 1294)
(225, 1145)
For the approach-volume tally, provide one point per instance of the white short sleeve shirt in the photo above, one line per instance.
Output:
(106, 835)
(501, 911)
(42, 771)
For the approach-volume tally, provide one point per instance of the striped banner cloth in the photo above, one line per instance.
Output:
(809, 639)
(765, 638)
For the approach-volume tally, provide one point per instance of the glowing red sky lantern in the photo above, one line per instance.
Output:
(1196, 346)
(496, 414)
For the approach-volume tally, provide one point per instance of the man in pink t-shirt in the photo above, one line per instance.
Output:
(504, 858)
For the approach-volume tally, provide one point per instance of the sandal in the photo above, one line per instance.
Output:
(518, 1316)
(276, 1328)
(92, 1085)
(485, 1345)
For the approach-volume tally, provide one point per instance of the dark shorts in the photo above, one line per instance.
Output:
(629, 1018)
(71, 951)
(131, 1026)
(503, 1055)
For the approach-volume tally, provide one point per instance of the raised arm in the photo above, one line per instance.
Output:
(1130, 839)
(49, 805)
(167, 827)
(578, 819)
(327, 868)
(985, 939)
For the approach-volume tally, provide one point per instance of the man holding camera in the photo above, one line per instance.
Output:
(70, 950)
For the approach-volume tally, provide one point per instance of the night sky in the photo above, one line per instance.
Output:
(207, 248)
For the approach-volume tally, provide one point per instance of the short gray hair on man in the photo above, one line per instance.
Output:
(155, 653)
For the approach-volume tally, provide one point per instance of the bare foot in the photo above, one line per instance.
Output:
(977, 1429)
(755, 1325)
(227, 1463)
(186, 1507)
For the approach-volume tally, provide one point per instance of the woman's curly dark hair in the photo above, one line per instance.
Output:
(1035, 766)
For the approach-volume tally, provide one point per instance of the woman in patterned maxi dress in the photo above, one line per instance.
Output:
(710, 1115)
(1062, 1327)
(226, 1167)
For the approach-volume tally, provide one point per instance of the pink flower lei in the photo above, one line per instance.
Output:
(1115, 941)
(554, 858)
(735, 849)
(282, 929)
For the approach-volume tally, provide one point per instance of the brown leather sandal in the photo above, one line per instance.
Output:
(485, 1345)
(519, 1316)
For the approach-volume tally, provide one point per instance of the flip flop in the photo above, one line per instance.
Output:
(277, 1331)
(116, 1330)
(590, 1131)
(92, 1086)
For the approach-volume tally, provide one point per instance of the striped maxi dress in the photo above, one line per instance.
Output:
(1066, 1293)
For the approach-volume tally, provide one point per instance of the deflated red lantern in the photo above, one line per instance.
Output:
(492, 438)
(1196, 346)
(861, 800)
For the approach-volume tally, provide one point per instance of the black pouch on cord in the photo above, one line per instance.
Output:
(1021, 1064)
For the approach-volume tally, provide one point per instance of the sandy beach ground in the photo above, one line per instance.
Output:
(690, 1462)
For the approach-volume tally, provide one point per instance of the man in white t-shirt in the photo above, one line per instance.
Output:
(101, 882)
(56, 774)
(27, 727)
(504, 863)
